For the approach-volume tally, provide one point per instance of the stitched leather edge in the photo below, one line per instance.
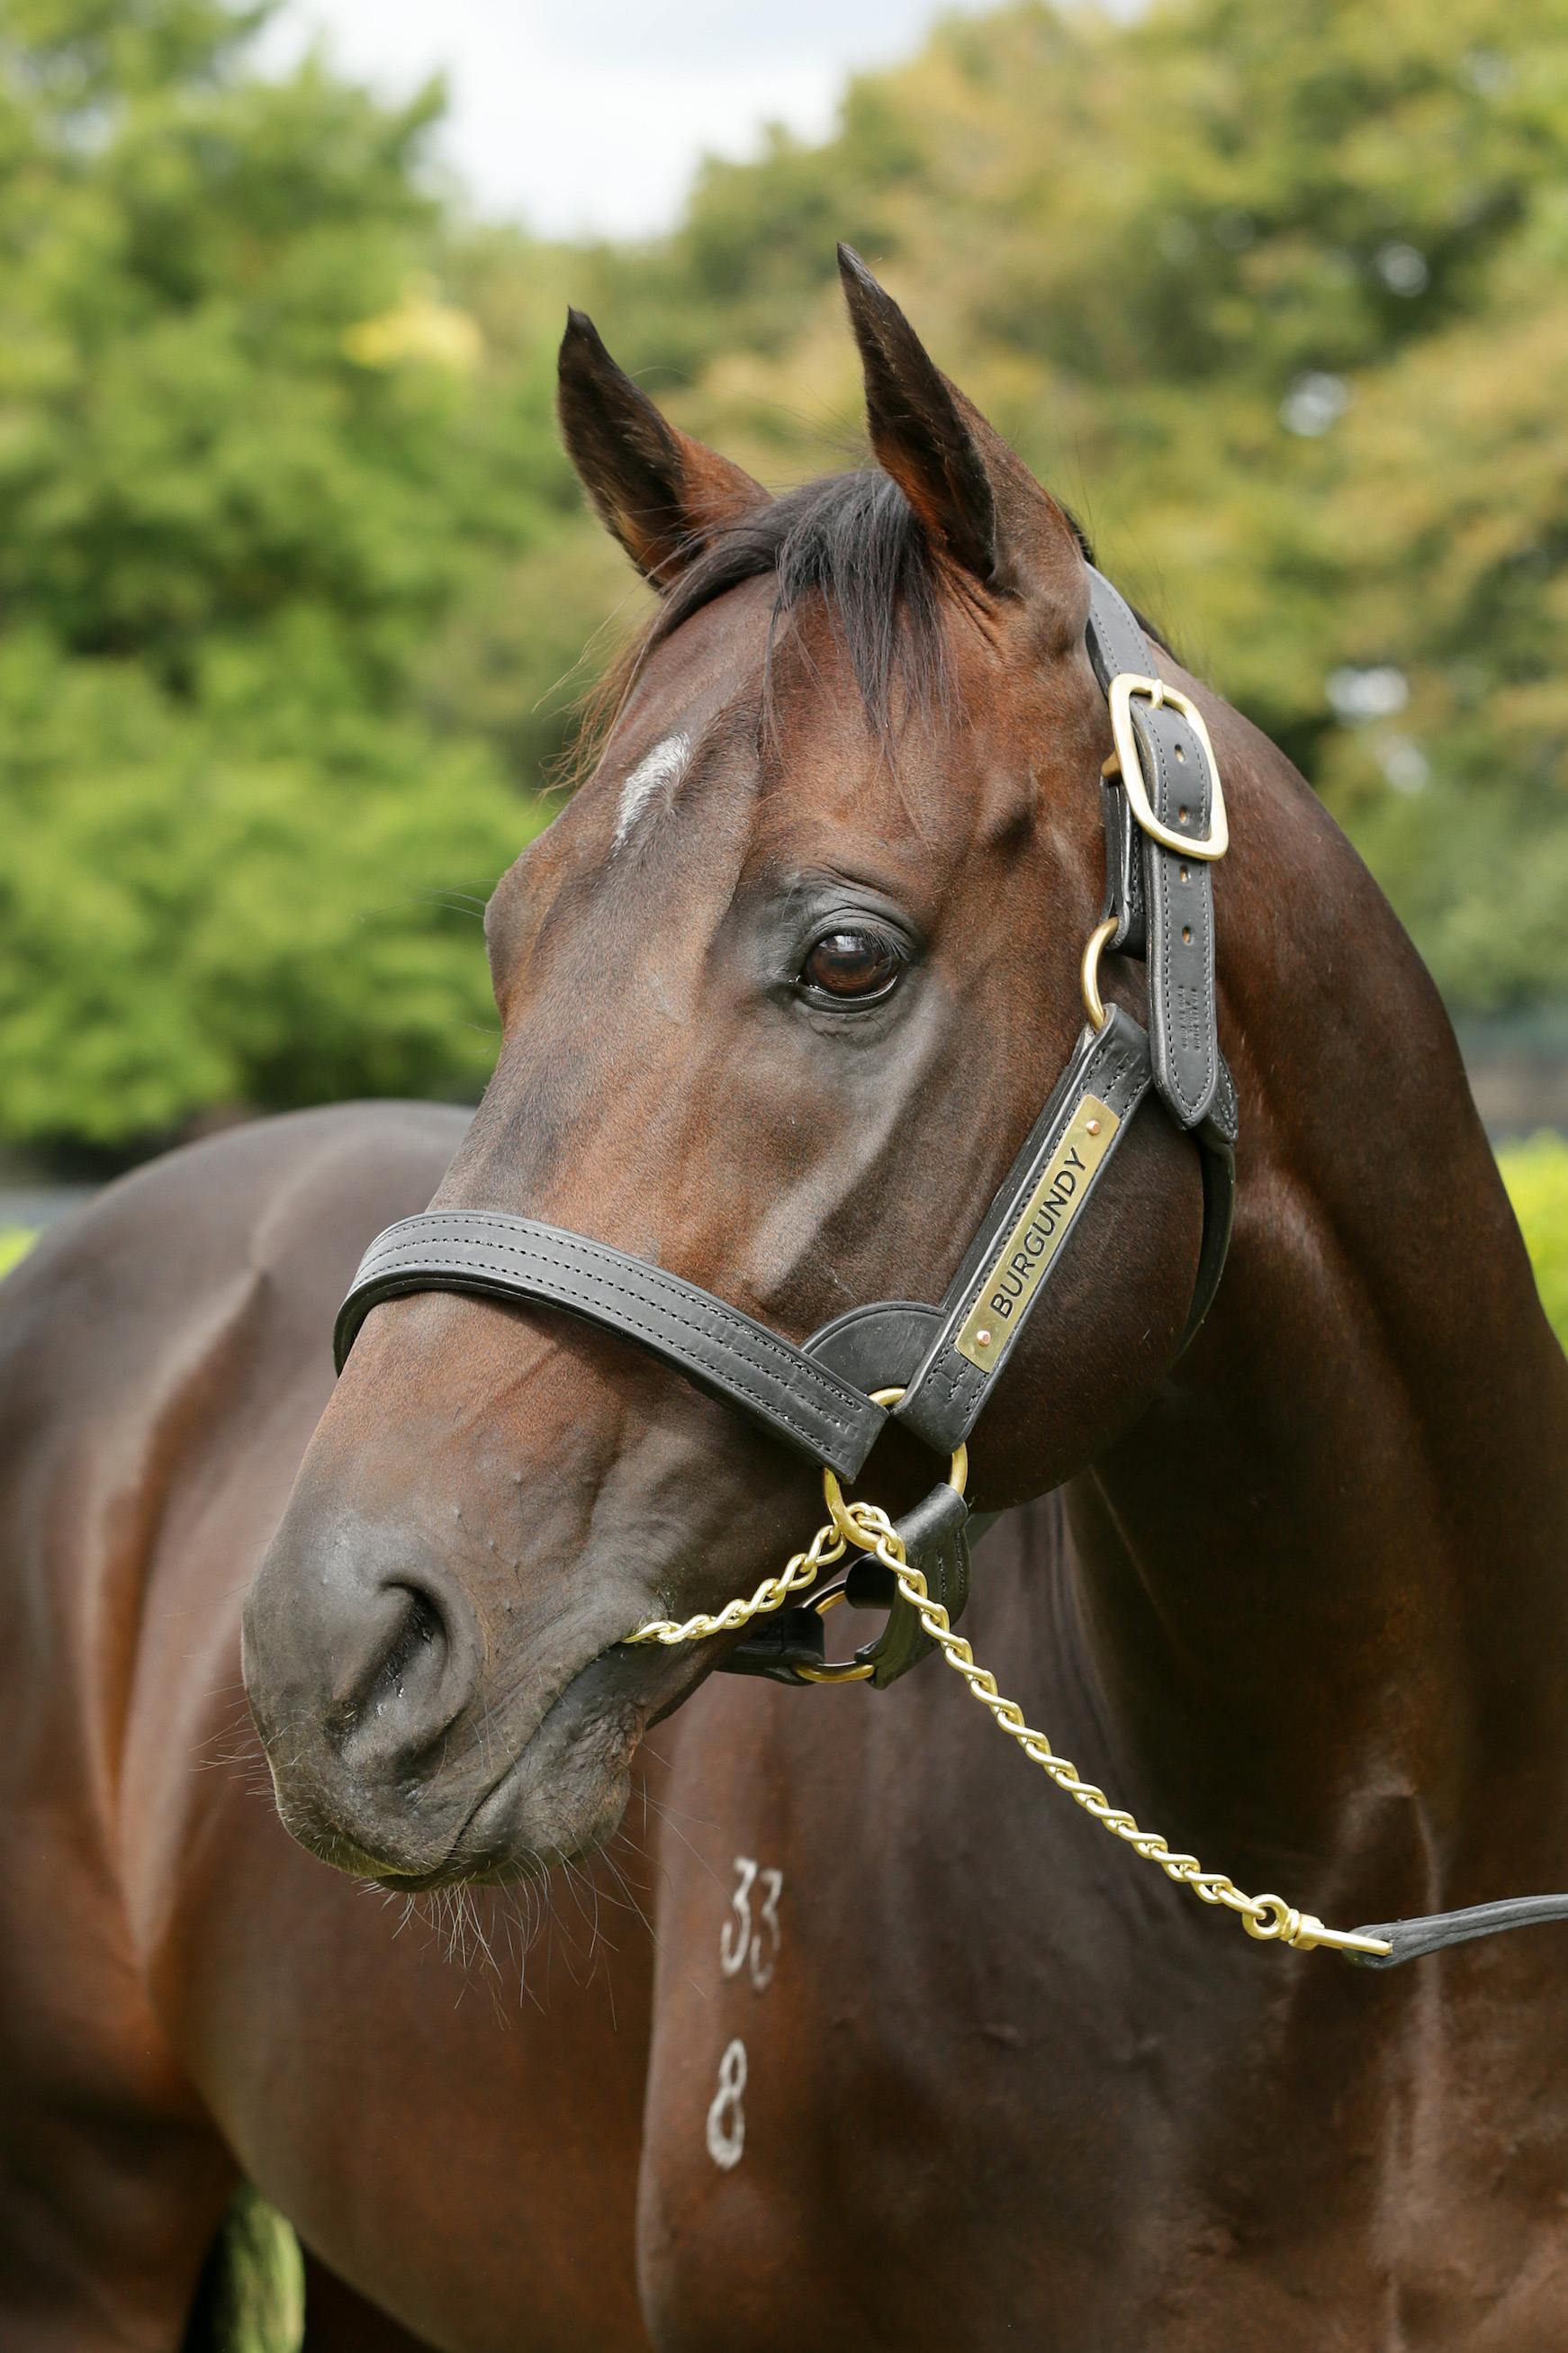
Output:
(1432, 1932)
(511, 1257)
(943, 1401)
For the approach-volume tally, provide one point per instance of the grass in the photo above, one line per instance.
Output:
(1536, 1175)
(16, 1242)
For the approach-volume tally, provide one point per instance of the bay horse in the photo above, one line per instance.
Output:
(918, 2056)
(186, 1993)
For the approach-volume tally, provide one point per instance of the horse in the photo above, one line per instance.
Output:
(187, 1993)
(921, 2056)
(781, 991)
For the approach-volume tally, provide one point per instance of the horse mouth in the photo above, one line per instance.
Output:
(559, 1797)
(554, 1801)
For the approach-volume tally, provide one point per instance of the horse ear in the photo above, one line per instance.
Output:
(664, 495)
(978, 502)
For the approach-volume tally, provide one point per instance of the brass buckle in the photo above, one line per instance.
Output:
(1125, 763)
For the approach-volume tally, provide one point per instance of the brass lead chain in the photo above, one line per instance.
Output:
(1267, 1917)
(826, 1546)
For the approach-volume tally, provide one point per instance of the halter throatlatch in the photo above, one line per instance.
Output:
(933, 1367)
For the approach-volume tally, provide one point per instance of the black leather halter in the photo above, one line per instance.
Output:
(947, 1358)
(1159, 904)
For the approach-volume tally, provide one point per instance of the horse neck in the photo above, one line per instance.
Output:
(1341, 1534)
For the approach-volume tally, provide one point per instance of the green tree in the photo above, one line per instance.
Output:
(238, 860)
(295, 587)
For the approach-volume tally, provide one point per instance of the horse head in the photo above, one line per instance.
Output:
(784, 988)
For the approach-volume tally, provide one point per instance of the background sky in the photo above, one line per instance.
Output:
(591, 114)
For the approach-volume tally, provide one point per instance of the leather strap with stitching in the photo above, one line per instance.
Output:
(715, 1345)
(1163, 905)
(944, 1399)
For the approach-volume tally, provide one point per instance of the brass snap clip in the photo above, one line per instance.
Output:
(867, 1526)
(1304, 1930)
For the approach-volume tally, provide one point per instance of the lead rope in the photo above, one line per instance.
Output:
(1269, 1918)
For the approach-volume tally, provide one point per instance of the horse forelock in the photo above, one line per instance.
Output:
(853, 542)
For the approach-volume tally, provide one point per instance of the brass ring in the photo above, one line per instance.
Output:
(838, 1512)
(1088, 971)
(833, 1495)
(1279, 1927)
(847, 1673)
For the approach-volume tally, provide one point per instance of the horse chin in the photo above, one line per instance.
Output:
(560, 1797)
(563, 1795)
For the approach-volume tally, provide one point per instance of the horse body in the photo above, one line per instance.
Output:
(998, 2083)
(184, 1989)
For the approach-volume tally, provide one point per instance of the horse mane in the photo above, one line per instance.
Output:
(852, 538)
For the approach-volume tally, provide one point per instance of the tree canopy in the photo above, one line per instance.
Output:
(1276, 301)
(290, 562)
(239, 864)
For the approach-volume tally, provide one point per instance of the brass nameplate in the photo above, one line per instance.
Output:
(1039, 1233)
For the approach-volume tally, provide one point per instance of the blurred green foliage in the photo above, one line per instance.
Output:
(291, 608)
(242, 863)
(251, 2294)
(1536, 1175)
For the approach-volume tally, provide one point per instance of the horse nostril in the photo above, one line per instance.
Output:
(361, 1652)
(422, 1680)
(415, 1658)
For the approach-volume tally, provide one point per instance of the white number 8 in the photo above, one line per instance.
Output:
(727, 2117)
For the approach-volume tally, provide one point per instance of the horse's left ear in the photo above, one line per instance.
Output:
(663, 495)
(978, 502)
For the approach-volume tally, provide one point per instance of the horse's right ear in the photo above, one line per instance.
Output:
(664, 495)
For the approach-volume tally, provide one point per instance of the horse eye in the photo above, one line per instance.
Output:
(850, 964)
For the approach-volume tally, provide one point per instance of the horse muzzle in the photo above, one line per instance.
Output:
(397, 1753)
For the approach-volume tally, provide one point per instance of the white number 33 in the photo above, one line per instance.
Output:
(738, 1941)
